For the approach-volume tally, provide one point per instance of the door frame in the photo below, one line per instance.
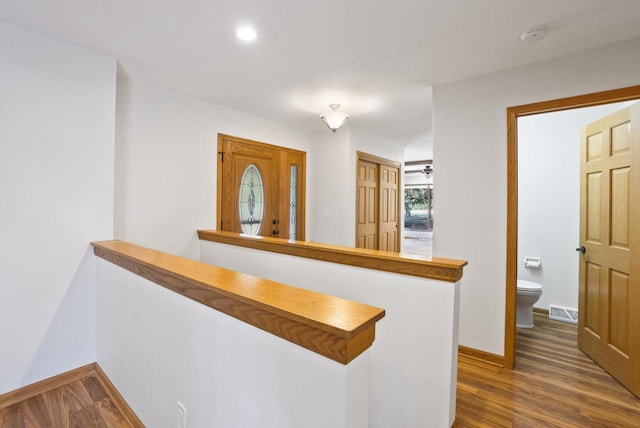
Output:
(513, 113)
(362, 156)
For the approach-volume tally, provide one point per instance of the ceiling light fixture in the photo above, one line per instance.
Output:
(334, 119)
(247, 34)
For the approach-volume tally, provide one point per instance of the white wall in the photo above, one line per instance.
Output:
(331, 178)
(159, 348)
(414, 356)
(470, 154)
(166, 163)
(57, 120)
(166, 146)
(334, 160)
(419, 150)
(549, 199)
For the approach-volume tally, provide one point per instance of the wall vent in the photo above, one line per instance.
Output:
(563, 314)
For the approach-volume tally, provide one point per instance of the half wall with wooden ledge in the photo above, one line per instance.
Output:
(160, 343)
(414, 359)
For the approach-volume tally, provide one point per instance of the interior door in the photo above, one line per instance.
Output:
(249, 184)
(609, 299)
(389, 185)
(367, 206)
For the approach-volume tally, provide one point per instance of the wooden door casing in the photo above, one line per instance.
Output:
(609, 231)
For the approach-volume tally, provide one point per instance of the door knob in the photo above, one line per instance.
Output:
(582, 249)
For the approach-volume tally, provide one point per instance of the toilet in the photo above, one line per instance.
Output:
(528, 294)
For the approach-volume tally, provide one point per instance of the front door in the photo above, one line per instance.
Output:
(260, 188)
(609, 299)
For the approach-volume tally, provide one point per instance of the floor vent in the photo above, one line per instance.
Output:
(563, 314)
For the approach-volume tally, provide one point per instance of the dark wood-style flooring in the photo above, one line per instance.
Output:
(82, 403)
(553, 385)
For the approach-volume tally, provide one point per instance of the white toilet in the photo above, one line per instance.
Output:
(528, 294)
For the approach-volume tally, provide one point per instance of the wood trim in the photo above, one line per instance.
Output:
(336, 328)
(377, 159)
(483, 356)
(513, 113)
(441, 269)
(542, 311)
(512, 241)
(115, 396)
(588, 100)
(14, 397)
(219, 183)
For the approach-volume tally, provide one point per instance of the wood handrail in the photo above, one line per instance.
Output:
(336, 328)
(426, 267)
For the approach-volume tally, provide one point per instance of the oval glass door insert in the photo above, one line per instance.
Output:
(251, 200)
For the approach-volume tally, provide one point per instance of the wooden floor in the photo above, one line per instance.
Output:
(83, 403)
(553, 385)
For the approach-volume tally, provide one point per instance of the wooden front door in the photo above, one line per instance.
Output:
(609, 299)
(260, 188)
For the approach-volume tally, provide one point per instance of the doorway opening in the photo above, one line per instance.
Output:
(513, 114)
(418, 207)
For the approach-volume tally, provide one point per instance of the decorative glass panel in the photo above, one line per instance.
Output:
(293, 202)
(251, 200)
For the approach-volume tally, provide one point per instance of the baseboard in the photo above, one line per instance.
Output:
(477, 354)
(29, 391)
(542, 311)
(115, 396)
(90, 370)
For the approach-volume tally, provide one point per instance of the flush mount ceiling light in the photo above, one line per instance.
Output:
(334, 119)
(533, 35)
(246, 34)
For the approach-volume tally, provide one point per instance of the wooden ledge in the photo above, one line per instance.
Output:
(336, 328)
(426, 267)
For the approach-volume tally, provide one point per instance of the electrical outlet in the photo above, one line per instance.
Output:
(182, 416)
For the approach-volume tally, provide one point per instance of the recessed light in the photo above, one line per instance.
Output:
(246, 33)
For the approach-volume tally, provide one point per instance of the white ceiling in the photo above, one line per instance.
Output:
(378, 58)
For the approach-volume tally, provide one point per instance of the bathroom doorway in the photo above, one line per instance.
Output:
(549, 204)
(513, 258)
(583, 196)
